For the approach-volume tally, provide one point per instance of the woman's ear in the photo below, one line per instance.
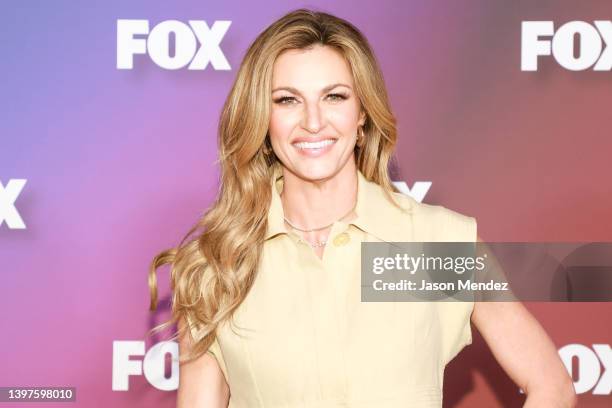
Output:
(362, 118)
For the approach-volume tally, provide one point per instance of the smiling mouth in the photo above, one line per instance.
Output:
(314, 145)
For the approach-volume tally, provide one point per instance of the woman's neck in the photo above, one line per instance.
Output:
(310, 204)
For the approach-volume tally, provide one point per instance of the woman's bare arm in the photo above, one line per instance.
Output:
(201, 381)
(525, 352)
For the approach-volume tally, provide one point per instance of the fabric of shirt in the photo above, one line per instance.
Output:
(303, 337)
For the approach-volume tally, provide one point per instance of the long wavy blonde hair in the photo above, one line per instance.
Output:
(215, 265)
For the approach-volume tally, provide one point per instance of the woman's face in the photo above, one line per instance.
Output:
(315, 112)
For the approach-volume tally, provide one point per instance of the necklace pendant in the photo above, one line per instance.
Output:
(318, 244)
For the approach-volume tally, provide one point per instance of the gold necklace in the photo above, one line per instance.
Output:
(318, 244)
(320, 228)
(321, 243)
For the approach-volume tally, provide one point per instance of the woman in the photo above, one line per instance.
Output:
(267, 294)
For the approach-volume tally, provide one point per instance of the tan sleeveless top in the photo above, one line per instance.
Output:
(304, 338)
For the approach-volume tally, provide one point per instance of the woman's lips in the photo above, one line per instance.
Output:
(314, 149)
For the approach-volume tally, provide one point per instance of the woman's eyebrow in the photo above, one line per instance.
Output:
(295, 91)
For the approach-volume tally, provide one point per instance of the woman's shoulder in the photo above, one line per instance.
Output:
(437, 220)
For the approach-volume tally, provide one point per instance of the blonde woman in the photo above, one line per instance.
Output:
(266, 287)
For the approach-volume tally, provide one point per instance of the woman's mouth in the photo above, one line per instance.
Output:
(314, 149)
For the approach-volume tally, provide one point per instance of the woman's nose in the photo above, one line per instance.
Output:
(313, 118)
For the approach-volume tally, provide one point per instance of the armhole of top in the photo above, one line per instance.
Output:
(457, 315)
(215, 351)
(467, 329)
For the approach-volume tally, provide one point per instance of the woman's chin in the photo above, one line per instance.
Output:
(314, 172)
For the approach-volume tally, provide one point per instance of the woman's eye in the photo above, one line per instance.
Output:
(337, 97)
(283, 99)
(334, 97)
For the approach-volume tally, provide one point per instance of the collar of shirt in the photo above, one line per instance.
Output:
(376, 215)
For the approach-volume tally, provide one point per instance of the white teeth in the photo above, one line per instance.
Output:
(314, 145)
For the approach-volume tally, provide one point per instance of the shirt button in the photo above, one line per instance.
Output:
(341, 239)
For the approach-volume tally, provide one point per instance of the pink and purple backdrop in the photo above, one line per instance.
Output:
(120, 163)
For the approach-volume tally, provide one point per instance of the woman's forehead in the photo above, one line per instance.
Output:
(311, 69)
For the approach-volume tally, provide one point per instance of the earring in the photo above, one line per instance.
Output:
(266, 148)
(360, 137)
